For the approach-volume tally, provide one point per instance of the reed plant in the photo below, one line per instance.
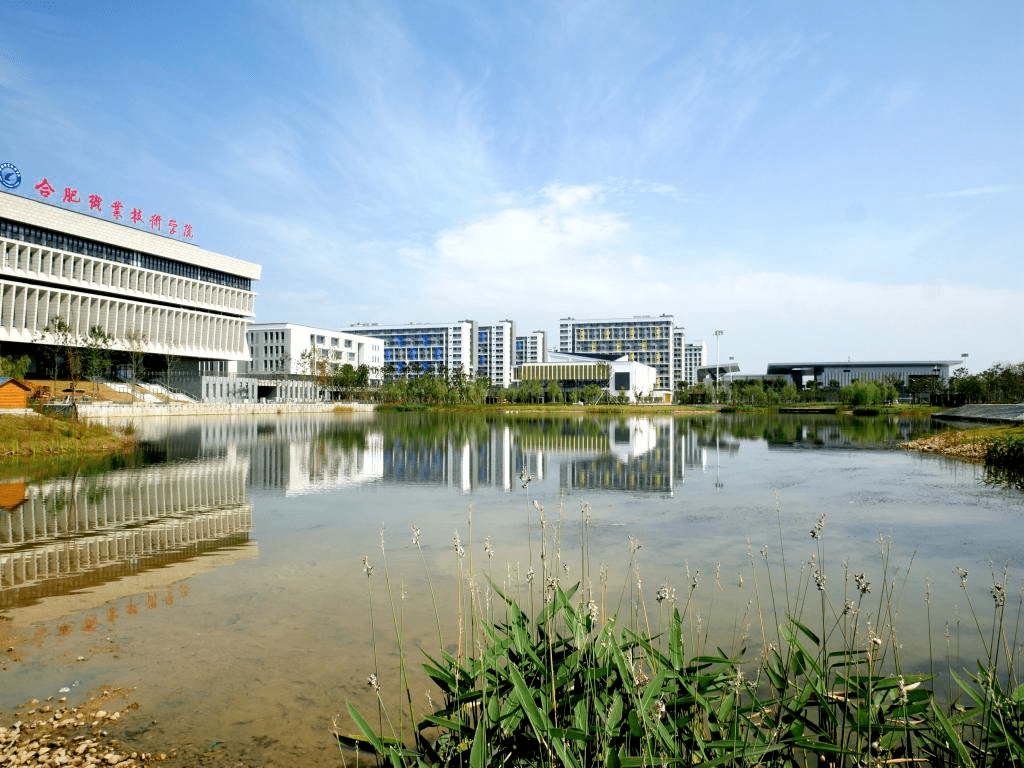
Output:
(543, 670)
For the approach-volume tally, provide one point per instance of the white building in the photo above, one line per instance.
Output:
(495, 352)
(288, 348)
(166, 296)
(644, 339)
(531, 348)
(695, 357)
(615, 375)
(413, 349)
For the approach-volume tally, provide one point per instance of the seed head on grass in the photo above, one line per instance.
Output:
(819, 579)
(999, 594)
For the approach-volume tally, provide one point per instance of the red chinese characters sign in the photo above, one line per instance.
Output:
(155, 222)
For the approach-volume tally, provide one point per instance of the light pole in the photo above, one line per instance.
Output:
(718, 359)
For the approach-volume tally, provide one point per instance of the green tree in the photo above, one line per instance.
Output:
(136, 341)
(531, 391)
(61, 346)
(15, 368)
(96, 354)
(554, 392)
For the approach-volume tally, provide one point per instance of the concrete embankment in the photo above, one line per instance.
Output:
(990, 414)
(121, 412)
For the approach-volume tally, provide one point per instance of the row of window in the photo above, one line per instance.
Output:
(125, 279)
(64, 242)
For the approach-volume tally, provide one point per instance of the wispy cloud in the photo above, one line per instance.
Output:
(970, 192)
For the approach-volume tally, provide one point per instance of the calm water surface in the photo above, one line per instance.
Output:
(221, 574)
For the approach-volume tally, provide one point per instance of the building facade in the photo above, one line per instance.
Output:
(531, 348)
(644, 339)
(695, 356)
(417, 349)
(148, 292)
(839, 374)
(289, 348)
(617, 376)
(495, 352)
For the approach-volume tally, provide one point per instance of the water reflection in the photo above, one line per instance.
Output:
(471, 452)
(221, 627)
(188, 492)
(68, 533)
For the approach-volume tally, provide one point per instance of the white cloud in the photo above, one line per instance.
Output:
(970, 192)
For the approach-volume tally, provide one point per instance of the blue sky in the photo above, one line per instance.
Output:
(822, 181)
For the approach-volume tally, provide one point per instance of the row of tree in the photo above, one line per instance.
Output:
(71, 357)
(1001, 383)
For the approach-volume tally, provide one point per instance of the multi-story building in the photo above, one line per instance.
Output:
(288, 348)
(531, 348)
(495, 352)
(695, 356)
(415, 349)
(644, 338)
(148, 292)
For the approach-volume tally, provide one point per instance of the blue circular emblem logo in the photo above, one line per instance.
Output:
(10, 176)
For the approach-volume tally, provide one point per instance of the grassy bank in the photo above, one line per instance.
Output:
(34, 436)
(541, 671)
(999, 446)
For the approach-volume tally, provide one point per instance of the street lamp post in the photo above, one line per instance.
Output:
(718, 359)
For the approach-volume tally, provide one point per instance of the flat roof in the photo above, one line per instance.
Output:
(874, 364)
(57, 219)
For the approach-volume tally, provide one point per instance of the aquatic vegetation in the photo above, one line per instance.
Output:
(545, 670)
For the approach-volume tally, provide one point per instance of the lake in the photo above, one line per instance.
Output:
(220, 573)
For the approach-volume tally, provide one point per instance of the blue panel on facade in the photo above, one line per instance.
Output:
(387, 354)
(425, 366)
(412, 354)
(400, 366)
(483, 337)
(483, 359)
(400, 341)
(437, 353)
(425, 340)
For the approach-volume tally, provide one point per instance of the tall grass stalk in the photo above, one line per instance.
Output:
(565, 682)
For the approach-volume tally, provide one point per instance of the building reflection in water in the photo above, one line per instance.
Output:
(631, 454)
(70, 533)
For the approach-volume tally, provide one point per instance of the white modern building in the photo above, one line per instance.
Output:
(531, 348)
(495, 352)
(414, 349)
(289, 348)
(615, 375)
(695, 356)
(164, 296)
(841, 374)
(643, 338)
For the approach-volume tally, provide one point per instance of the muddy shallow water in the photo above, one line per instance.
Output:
(221, 576)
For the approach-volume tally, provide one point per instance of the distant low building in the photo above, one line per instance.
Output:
(615, 374)
(841, 374)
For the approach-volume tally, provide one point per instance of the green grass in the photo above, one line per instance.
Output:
(44, 436)
(544, 674)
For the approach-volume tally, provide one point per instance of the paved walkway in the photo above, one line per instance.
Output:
(999, 414)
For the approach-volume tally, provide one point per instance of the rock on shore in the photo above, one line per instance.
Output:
(950, 444)
(54, 734)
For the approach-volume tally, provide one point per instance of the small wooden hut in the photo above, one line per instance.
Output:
(13, 393)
